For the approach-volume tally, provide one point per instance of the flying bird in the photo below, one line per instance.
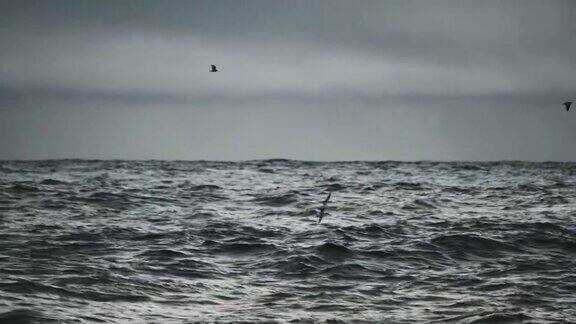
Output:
(567, 105)
(323, 208)
(213, 68)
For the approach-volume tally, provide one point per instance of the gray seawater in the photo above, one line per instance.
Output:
(187, 242)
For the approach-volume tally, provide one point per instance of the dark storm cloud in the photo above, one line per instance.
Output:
(300, 57)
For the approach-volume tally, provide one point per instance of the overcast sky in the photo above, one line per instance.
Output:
(310, 80)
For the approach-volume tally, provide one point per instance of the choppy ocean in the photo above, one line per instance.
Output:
(194, 242)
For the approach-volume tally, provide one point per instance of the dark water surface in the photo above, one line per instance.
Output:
(186, 242)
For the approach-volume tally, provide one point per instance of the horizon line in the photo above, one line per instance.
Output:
(283, 160)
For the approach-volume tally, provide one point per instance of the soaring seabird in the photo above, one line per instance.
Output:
(323, 208)
(213, 68)
(567, 105)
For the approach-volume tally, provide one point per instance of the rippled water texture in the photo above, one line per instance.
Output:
(186, 242)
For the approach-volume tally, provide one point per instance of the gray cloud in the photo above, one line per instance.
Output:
(374, 62)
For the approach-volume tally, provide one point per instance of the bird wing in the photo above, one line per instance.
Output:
(327, 198)
(213, 67)
(323, 208)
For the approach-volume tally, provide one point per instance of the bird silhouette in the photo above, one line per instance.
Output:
(567, 105)
(323, 208)
(213, 68)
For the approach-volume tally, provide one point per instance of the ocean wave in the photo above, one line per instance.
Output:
(276, 201)
(176, 241)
